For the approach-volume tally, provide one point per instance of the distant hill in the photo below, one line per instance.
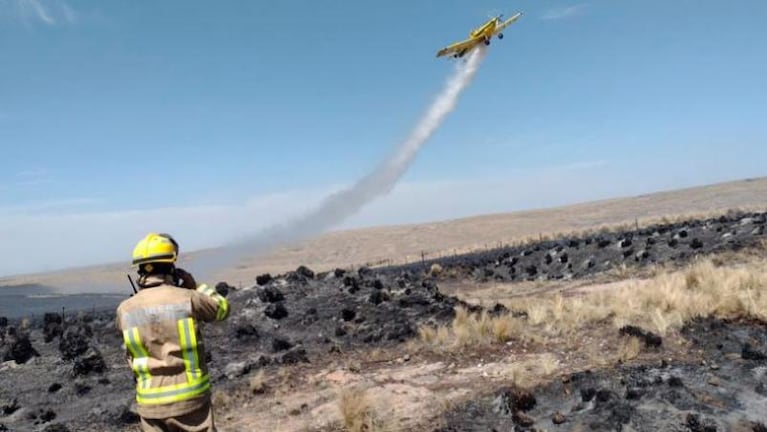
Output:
(398, 244)
(25, 289)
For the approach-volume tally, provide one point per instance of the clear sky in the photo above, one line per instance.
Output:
(208, 119)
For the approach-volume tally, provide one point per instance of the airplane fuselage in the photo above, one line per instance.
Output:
(485, 31)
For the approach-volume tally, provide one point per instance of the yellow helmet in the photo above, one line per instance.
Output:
(155, 248)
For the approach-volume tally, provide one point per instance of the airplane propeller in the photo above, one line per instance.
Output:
(490, 15)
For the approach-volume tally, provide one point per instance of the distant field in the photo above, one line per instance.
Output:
(399, 244)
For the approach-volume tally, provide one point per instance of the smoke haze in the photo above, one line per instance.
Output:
(338, 206)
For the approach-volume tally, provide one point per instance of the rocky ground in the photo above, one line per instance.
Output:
(71, 374)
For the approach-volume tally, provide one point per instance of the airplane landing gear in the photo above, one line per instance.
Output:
(500, 35)
(487, 41)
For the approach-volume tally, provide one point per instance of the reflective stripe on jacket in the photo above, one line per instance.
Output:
(165, 348)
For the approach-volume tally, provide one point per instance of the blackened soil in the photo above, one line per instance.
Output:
(325, 315)
(73, 372)
(571, 258)
(726, 393)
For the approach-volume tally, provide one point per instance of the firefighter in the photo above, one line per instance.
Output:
(161, 330)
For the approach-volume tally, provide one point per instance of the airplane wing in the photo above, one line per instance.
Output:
(507, 23)
(458, 47)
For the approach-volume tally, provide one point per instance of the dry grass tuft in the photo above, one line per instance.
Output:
(529, 372)
(519, 375)
(504, 328)
(427, 334)
(434, 336)
(661, 304)
(357, 412)
(548, 365)
(630, 349)
(257, 383)
(473, 330)
(621, 271)
(282, 379)
(705, 289)
(378, 355)
(536, 312)
(435, 270)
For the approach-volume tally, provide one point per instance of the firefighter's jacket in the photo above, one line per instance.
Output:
(160, 327)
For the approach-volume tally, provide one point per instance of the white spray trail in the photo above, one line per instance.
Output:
(338, 206)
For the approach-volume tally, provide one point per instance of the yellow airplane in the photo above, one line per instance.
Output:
(482, 34)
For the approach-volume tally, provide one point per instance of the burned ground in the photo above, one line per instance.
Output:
(72, 373)
(582, 256)
(722, 391)
(82, 376)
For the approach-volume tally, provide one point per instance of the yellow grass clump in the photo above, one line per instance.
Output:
(548, 365)
(435, 270)
(661, 304)
(630, 349)
(702, 289)
(357, 411)
(472, 330)
(528, 372)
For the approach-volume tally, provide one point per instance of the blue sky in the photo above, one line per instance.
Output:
(212, 118)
